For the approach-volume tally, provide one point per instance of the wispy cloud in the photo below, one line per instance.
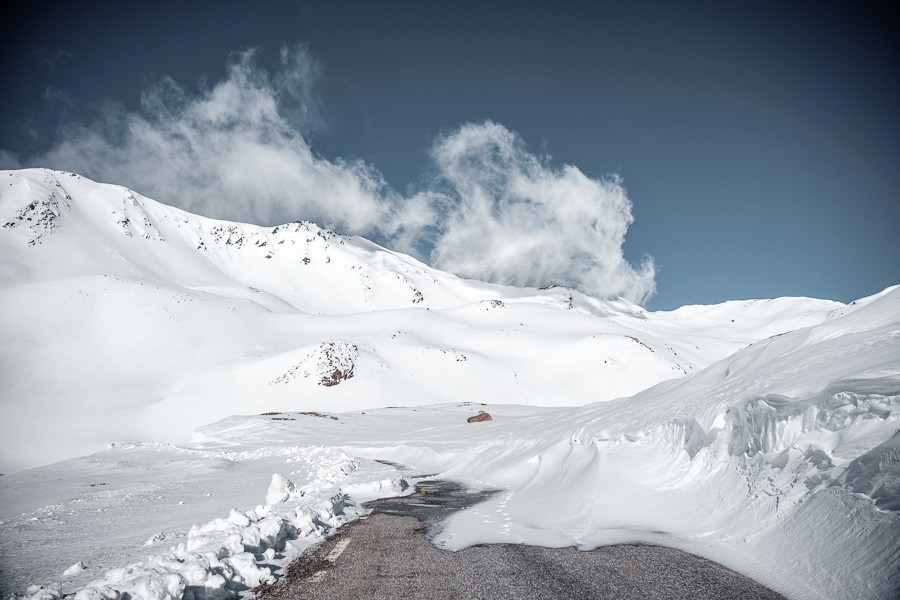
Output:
(239, 150)
(53, 57)
(235, 150)
(515, 219)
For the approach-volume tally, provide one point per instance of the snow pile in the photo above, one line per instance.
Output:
(281, 489)
(314, 490)
(219, 559)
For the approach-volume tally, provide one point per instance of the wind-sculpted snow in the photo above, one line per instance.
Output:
(780, 462)
(775, 423)
(876, 474)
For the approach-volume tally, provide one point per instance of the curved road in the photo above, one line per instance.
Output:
(388, 555)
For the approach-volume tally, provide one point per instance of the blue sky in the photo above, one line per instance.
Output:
(758, 144)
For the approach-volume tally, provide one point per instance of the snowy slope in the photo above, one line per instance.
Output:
(780, 461)
(120, 313)
(762, 434)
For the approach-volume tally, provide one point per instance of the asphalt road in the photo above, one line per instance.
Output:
(389, 555)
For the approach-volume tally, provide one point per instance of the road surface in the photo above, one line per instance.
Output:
(389, 555)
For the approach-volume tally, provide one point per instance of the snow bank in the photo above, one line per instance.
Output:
(780, 462)
(219, 559)
(227, 555)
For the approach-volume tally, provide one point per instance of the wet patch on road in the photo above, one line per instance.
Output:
(433, 501)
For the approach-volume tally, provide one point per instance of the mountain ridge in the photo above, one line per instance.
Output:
(114, 302)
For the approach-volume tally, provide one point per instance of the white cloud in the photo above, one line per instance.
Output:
(239, 150)
(235, 151)
(518, 220)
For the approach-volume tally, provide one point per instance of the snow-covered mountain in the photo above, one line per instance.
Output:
(118, 309)
(761, 434)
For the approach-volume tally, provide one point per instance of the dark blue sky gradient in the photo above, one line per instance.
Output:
(759, 143)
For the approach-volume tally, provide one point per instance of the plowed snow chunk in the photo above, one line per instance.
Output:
(281, 489)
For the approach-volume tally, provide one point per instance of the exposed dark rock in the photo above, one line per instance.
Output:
(481, 416)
